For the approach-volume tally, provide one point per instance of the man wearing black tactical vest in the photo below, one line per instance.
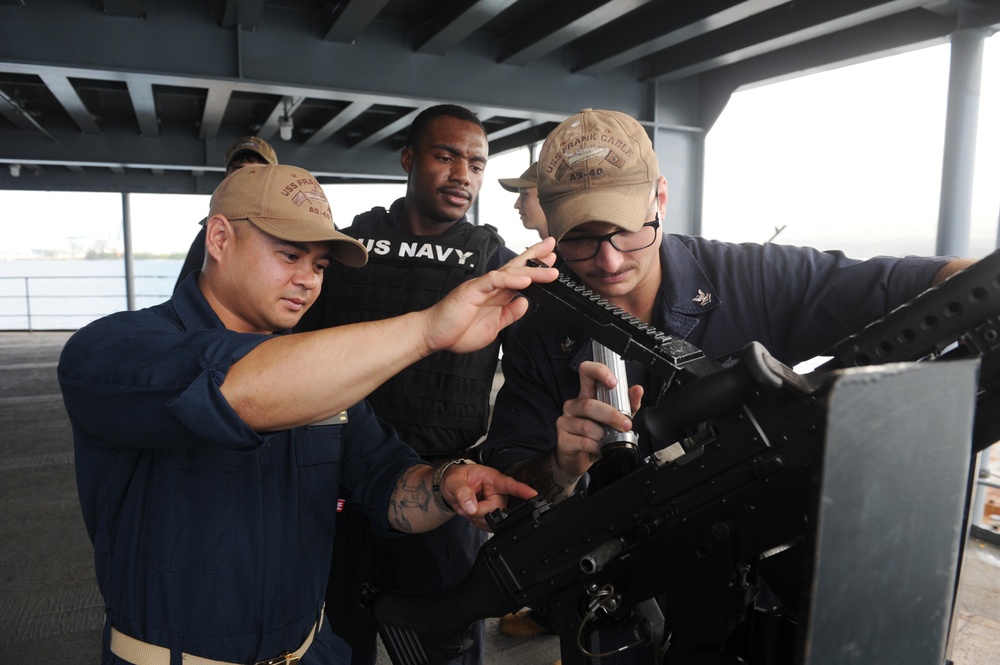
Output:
(419, 250)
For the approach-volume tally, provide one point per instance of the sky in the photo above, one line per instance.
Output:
(848, 159)
(164, 224)
(859, 167)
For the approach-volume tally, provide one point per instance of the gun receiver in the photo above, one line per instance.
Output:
(702, 521)
(715, 504)
(618, 330)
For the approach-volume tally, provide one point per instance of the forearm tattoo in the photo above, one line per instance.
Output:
(412, 494)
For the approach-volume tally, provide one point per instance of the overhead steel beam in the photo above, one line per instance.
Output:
(66, 94)
(393, 127)
(514, 129)
(446, 28)
(666, 26)
(141, 94)
(554, 31)
(13, 111)
(912, 30)
(182, 152)
(485, 108)
(337, 123)
(114, 147)
(527, 136)
(352, 19)
(215, 109)
(172, 182)
(80, 48)
(103, 180)
(770, 31)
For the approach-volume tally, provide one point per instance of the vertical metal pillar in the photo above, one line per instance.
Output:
(961, 124)
(997, 246)
(473, 213)
(698, 183)
(27, 302)
(127, 241)
(982, 472)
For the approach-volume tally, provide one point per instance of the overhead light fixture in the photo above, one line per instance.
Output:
(285, 124)
(15, 170)
(285, 127)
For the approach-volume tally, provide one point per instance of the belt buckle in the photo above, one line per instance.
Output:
(287, 658)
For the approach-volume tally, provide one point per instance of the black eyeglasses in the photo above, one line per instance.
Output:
(587, 247)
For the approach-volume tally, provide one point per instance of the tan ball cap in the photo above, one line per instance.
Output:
(285, 202)
(254, 144)
(526, 180)
(596, 166)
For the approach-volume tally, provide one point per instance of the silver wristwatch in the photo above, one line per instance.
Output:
(436, 482)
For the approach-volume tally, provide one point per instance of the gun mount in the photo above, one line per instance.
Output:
(742, 506)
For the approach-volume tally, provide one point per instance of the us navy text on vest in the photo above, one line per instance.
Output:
(433, 252)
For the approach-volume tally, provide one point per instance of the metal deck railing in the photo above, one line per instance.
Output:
(59, 302)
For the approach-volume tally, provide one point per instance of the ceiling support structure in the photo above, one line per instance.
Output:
(961, 126)
(127, 251)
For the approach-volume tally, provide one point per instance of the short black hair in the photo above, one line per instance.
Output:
(419, 125)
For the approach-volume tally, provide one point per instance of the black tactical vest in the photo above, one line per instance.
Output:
(439, 405)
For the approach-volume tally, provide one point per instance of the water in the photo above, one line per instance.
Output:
(68, 294)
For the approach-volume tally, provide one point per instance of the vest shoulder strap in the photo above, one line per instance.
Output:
(365, 222)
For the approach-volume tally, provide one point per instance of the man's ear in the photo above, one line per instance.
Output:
(406, 159)
(218, 232)
(661, 192)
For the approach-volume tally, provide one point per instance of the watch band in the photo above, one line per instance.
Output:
(439, 476)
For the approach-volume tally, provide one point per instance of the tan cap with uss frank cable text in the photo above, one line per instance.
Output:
(285, 202)
(596, 166)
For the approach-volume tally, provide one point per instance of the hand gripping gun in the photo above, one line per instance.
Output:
(728, 501)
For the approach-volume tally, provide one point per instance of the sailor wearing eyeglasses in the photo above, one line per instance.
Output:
(605, 200)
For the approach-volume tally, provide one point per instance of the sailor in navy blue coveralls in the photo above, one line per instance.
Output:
(719, 297)
(184, 501)
(605, 199)
(212, 519)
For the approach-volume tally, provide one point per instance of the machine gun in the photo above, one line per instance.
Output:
(731, 501)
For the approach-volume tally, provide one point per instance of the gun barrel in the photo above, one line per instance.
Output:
(595, 560)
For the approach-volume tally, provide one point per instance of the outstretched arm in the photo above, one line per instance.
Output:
(294, 380)
(470, 490)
